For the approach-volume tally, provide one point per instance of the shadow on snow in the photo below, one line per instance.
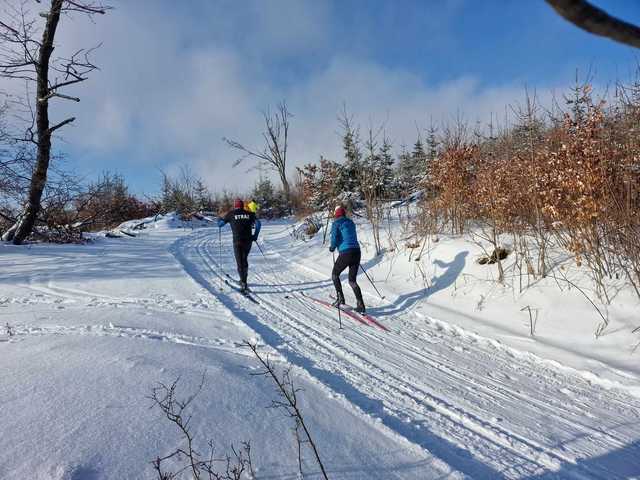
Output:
(454, 456)
(620, 464)
(453, 269)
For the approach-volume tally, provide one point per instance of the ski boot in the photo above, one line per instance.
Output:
(358, 293)
(243, 287)
(338, 301)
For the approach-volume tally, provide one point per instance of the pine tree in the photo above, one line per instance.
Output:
(419, 169)
(263, 193)
(430, 155)
(406, 173)
(202, 196)
(412, 168)
(418, 155)
(273, 203)
(579, 102)
(370, 170)
(349, 172)
(167, 190)
(387, 183)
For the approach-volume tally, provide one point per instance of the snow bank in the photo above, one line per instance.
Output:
(447, 284)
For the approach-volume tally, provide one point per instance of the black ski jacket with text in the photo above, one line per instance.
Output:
(241, 223)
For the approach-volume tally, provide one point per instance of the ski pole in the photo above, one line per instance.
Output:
(324, 235)
(338, 305)
(220, 254)
(260, 248)
(371, 281)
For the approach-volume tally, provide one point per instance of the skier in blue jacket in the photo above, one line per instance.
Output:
(345, 239)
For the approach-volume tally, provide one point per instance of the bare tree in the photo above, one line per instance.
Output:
(24, 57)
(594, 20)
(276, 138)
(199, 466)
(288, 403)
(11, 160)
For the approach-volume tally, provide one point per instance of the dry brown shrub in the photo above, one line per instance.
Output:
(452, 177)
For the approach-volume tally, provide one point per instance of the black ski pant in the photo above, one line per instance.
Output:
(349, 258)
(241, 249)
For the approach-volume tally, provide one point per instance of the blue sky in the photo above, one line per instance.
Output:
(178, 76)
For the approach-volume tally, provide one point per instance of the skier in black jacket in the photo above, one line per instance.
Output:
(242, 223)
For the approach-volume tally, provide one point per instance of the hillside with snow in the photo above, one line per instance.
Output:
(451, 384)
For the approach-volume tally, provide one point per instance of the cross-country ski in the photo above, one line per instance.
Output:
(245, 292)
(349, 313)
(363, 318)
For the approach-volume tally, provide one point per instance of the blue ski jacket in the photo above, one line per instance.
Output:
(343, 235)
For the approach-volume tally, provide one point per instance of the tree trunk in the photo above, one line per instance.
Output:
(39, 177)
(285, 186)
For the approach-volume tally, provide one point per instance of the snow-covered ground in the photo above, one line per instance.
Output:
(456, 388)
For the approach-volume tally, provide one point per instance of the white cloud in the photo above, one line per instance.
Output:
(162, 95)
(375, 95)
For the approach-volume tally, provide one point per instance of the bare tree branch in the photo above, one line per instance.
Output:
(23, 57)
(177, 411)
(276, 142)
(61, 124)
(594, 20)
(86, 7)
(289, 404)
(58, 95)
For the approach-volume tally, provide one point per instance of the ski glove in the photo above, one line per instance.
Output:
(254, 238)
(331, 249)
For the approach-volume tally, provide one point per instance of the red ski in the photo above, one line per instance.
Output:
(375, 322)
(343, 310)
(366, 316)
(363, 318)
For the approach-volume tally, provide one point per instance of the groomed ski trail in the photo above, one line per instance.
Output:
(485, 410)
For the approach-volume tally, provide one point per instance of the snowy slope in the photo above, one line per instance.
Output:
(436, 396)
(95, 327)
(443, 388)
(449, 285)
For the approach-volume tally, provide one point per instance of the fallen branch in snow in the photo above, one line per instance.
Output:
(635, 330)
(176, 411)
(532, 322)
(289, 404)
(140, 226)
(605, 321)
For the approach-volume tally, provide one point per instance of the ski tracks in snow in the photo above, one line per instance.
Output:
(484, 409)
(19, 332)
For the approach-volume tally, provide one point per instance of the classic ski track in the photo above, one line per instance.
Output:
(475, 424)
(131, 333)
(330, 349)
(76, 298)
(409, 323)
(421, 403)
(469, 378)
(403, 389)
